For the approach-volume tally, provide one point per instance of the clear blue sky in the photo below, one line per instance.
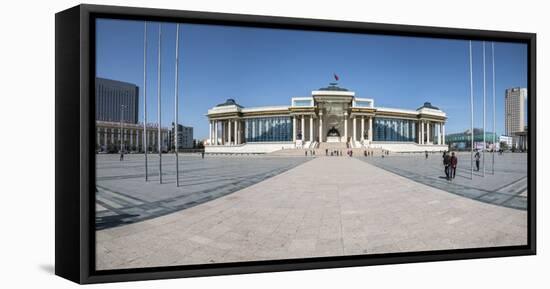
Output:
(259, 67)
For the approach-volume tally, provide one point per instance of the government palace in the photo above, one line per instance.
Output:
(331, 116)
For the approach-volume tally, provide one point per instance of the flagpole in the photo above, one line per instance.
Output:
(494, 106)
(145, 97)
(159, 138)
(471, 117)
(176, 126)
(484, 109)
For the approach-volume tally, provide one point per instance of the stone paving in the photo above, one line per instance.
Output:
(506, 187)
(329, 206)
(123, 197)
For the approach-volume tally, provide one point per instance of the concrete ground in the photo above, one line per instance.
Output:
(506, 187)
(123, 196)
(328, 206)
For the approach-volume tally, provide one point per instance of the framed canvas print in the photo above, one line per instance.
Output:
(195, 144)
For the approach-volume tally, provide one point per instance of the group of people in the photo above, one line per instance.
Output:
(333, 152)
(450, 162)
(311, 153)
(368, 153)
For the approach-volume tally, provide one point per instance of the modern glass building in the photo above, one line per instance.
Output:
(116, 100)
(330, 115)
(462, 141)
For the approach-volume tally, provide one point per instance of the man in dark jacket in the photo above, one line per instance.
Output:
(446, 164)
(454, 163)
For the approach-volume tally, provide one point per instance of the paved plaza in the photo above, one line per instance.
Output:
(123, 196)
(506, 187)
(299, 207)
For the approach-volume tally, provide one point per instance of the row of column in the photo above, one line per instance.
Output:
(302, 119)
(302, 126)
(230, 131)
(226, 132)
(130, 137)
(362, 131)
(424, 135)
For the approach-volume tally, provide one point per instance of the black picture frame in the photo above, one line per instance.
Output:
(75, 136)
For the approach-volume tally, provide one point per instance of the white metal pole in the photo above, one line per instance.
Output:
(121, 127)
(494, 106)
(159, 136)
(471, 117)
(176, 107)
(145, 147)
(484, 109)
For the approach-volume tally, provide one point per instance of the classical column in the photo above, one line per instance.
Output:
(138, 140)
(311, 128)
(222, 132)
(238, 132)
(428, 124)
(370, 129)
(229, 132)
(210, 132)
(217, 132)
(346, 126)
(223, 137)
(98, 140)
(235, 132)
(152, 140)
(439, 134)
(293, 128)
(105, 137)
(422, 134)
(131, 138)
(214, 128)
(112, 136)
(303, 128)
(320, 127)
(362, 128)
(354, 128)
(443, 133)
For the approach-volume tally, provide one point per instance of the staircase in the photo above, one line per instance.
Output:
(321, 148)
(332, 146)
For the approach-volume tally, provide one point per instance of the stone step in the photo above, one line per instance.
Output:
(332, 145)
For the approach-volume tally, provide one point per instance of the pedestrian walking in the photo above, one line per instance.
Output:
(454, 163)
(477, 158)
(426, 154)
(202, 154)
(446, 164)
(121, 155)
(326, 152)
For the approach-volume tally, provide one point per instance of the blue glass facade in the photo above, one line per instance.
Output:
(391, 129)
(268, 129)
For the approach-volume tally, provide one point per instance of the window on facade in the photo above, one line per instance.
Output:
(399, 130)
(268, 129)
(303, 102)
(363, 103)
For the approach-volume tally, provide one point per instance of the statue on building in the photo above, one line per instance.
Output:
(333, 132)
